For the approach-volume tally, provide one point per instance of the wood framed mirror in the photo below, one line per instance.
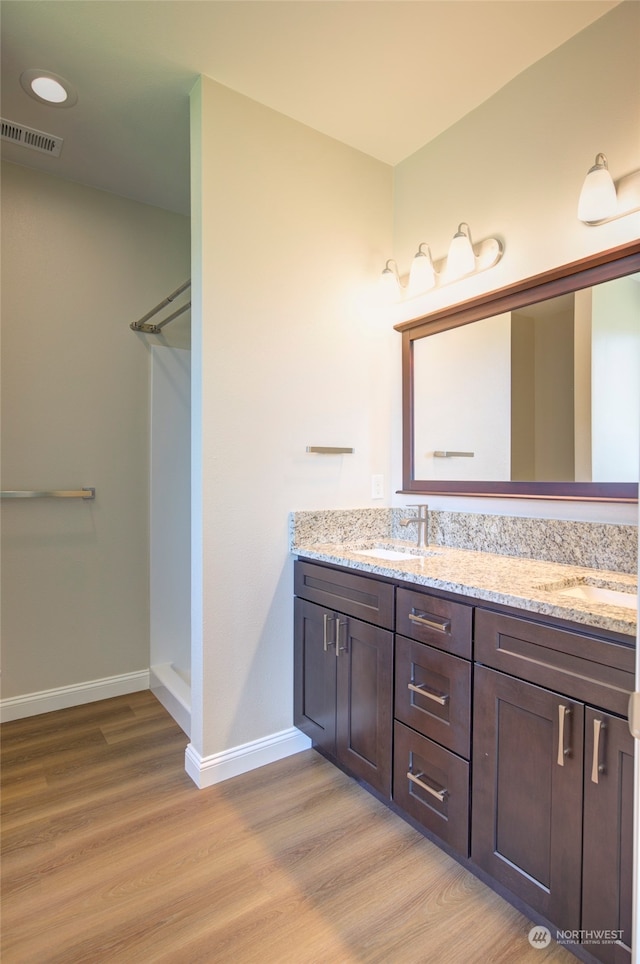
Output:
(531, 391)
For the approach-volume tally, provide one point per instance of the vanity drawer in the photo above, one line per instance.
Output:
(360, 596)
(432, 786)
(585, 668)
(433, 694)
(438, 622)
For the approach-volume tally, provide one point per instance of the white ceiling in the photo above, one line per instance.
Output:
(384, 76)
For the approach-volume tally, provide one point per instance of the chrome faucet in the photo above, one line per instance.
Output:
(422, 521)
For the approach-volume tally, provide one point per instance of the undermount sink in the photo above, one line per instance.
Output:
(397, 555)
(598, 591)
(599, 595)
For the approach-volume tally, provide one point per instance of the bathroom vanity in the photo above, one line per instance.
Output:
(493, 719)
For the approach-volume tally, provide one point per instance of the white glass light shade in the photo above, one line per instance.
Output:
(422, 276)
(461, 259)
(389, 284)
(598, 199)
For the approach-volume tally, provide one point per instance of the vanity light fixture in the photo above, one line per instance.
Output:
(601, 200)
(390, 287)
(48, 88)
(422, 275)
(465, 258)
(598, 201)
(461, 259)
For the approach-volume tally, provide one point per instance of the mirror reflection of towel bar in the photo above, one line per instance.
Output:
(453, 455)
(84, 493)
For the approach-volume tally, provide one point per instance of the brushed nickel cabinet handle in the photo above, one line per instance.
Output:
(326, 618)
(419, 688)
(442, 626)
(596, 767)
(341, 624)
(415, 778)
(563, 749)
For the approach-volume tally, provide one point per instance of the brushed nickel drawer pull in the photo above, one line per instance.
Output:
(563, 751)
(596, 767)
(419, 688)
(325, 639)
(442, 627)
(341, 624)
(415, 778)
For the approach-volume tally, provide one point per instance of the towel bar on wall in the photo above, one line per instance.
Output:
(84, 493)
(329, 450)
(453, 455)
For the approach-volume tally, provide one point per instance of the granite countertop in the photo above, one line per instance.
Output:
(527, 584)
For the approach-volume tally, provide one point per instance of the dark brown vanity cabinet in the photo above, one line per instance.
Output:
(553, 777)
(432, 729)
(538, 792)
(343, 669)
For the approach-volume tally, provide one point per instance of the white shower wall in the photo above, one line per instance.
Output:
(170, 624)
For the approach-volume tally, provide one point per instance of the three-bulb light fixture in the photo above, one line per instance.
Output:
(464, 258)
(602, 200)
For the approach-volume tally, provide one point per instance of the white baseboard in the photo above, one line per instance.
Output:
(170, 689)
(32, 704)
(206, 771)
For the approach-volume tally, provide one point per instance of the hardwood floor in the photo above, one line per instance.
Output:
(111, 854)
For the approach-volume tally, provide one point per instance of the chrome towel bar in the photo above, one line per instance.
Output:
(453, 455)
(85, 493)
(329, 450)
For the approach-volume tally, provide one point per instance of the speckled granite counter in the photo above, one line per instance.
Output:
(532, 585)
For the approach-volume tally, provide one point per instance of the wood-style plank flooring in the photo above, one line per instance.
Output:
(111, 854)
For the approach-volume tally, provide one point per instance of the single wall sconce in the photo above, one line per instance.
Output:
(601, 200)
(464, 259)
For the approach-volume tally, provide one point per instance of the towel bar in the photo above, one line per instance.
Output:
(84, 493)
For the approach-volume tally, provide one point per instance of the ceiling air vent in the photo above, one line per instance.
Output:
(34, 140)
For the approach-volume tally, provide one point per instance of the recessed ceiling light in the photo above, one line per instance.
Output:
(48, 88)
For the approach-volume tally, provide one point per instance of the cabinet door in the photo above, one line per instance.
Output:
(364, 701)
(314, 667)
(608, 834)
(527, 793)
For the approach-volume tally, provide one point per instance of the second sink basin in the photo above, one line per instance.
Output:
(598, 594)
(597, 591)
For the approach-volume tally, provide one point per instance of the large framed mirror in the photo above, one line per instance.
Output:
(531, 391)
